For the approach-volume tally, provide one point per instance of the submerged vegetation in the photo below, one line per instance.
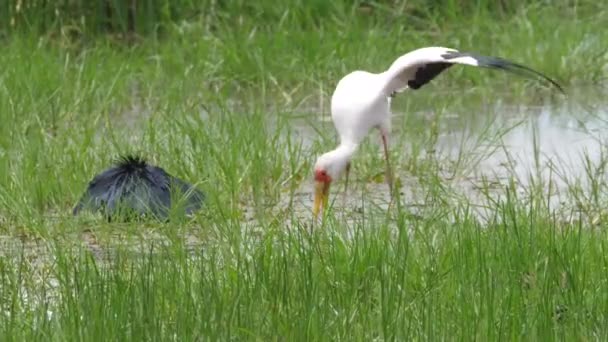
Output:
(233, 96)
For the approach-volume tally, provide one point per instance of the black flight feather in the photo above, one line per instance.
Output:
(426, 73)
(503, 64)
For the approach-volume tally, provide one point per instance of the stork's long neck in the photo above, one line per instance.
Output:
(344, 152)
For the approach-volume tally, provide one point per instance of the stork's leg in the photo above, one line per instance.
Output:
(346, 183)
(389, 173)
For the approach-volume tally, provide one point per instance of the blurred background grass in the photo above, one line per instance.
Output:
(277, 38)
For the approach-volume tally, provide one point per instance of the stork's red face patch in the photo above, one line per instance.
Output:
(322, 176)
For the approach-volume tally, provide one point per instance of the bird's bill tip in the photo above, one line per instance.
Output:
(321, 197)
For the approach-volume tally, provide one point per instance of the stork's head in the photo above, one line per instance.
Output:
(328, 168)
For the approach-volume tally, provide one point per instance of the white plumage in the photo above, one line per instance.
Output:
(361, 101)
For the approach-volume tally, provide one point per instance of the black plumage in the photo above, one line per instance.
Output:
(506, 65)
(132, 188)
(426, 73)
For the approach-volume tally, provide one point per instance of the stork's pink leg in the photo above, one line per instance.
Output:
(389, 174)
(346, 183)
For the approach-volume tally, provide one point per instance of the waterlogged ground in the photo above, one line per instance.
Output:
(478, 156)
(473, 155)
(557, 152)
(497, 232)
(561, 152)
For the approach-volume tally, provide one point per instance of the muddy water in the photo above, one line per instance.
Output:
(557, 152)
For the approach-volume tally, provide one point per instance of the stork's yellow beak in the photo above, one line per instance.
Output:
(321, 196)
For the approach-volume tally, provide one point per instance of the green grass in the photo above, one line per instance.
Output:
(235, 106)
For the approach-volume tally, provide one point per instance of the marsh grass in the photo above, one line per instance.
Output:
(527, 276)
(238, 105)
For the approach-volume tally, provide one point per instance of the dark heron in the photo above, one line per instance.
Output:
(132, 188)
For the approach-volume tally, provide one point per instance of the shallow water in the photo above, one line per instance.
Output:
(554, 151)
(558, 152)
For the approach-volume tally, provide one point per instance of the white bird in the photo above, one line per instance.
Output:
(361, 101)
